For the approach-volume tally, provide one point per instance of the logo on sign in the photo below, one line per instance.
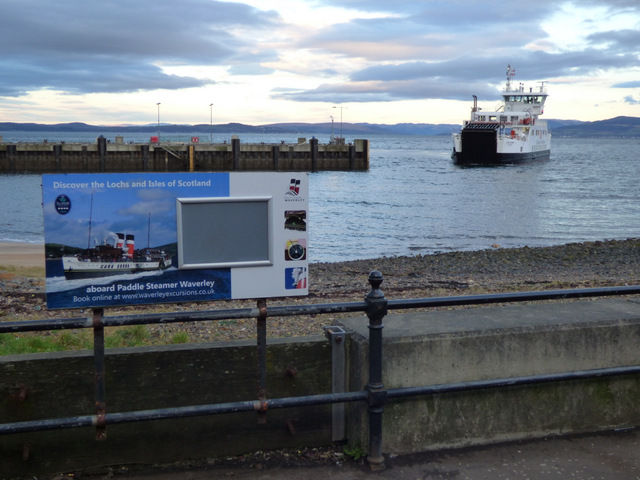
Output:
(62, 204)
(294, 191)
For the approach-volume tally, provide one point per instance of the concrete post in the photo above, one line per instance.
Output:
(275, 155)
(314, 154)
(11, 157)
(57, 154)
(85, 158)
(235, 152)
(144, 149)
(352, 157)
(102, 153)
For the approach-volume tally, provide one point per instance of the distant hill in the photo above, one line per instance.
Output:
(614, 127)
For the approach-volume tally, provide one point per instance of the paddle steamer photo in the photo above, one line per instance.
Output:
(114, 257)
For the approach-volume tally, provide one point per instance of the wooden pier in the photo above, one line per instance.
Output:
(106, 157)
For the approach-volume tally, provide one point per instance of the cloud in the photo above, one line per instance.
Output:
(326, 51)
(633, 84)
(451, 79)
(121, 46)
(619, 40)
(449, 50)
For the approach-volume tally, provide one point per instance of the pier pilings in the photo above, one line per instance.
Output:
(106, 157)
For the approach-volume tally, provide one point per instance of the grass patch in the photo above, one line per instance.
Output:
(135, 336)
(69, 340)
(180, 338)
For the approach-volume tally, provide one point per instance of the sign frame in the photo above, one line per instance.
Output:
(79, 208)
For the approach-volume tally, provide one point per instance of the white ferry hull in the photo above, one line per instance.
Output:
(490, 147)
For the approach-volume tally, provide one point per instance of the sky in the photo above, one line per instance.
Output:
(113, 204)
(123, 62)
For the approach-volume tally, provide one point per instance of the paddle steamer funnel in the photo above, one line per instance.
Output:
(129, 245)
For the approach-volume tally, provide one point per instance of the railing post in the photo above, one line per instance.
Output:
(376, 310)
(99, 373)
(261, 327)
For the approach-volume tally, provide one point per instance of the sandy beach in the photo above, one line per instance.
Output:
(22, 254)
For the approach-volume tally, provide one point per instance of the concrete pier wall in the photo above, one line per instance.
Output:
(103, 157)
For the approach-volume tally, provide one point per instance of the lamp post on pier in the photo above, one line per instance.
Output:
(158, 105)
(341, 107)
(332, 139)
(211, 123)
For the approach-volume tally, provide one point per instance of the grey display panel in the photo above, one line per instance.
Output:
(224, 232)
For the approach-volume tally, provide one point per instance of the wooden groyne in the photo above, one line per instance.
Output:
(105, 157)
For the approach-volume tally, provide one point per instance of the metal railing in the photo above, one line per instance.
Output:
(375, 305)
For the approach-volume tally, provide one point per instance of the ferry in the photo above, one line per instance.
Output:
(114, 258)
(513, 134)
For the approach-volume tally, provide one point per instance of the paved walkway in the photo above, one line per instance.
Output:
(609, 456)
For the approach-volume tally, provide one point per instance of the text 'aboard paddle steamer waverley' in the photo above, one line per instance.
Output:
(512, 134)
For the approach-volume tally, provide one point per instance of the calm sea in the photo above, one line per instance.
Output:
(413, 200)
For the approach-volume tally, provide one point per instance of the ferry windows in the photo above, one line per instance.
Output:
(514, 119)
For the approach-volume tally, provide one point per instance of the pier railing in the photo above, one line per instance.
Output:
(375, 395)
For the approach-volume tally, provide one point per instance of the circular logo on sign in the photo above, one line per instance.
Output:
(63, 204)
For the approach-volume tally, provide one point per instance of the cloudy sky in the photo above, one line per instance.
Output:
(267, 61)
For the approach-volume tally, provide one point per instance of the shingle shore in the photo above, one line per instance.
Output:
(576, 265)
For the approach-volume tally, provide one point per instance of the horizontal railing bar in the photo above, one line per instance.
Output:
(305, 401)
(182, 412)
(510, 382)
(160, 318)
(292, 310)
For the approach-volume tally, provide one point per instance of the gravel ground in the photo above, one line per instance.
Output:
(577, 265)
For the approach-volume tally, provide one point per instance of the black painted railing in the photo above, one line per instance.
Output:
(375, 305)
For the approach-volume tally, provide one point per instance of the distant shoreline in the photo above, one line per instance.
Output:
(618, 127)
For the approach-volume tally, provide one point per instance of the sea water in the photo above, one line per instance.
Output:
(414, 200)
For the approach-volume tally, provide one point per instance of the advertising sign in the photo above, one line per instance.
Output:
(142, 238)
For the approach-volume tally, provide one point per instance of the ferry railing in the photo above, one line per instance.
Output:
(375, 306)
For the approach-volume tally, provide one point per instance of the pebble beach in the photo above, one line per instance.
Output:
(493, 270)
